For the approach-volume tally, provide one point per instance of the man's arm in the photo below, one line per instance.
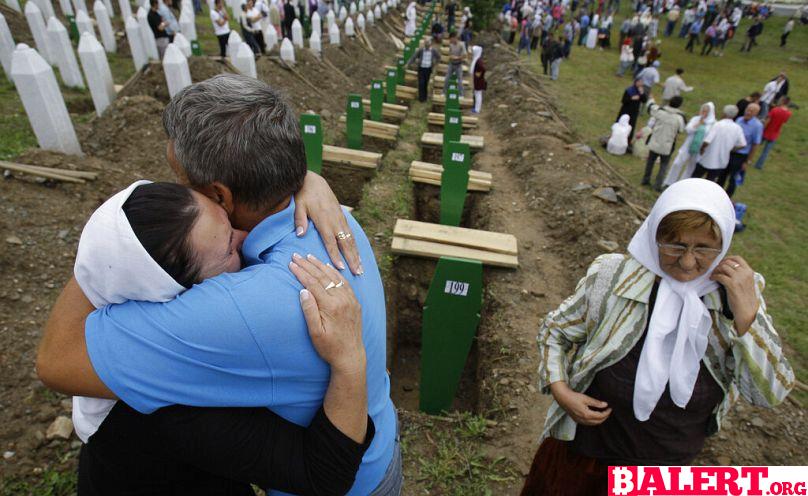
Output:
(62, 361)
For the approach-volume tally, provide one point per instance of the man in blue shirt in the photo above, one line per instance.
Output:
(238, 339)
(584, 29)
(739, 159)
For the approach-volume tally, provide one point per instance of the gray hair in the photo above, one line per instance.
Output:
(240, 132)
(730, 111)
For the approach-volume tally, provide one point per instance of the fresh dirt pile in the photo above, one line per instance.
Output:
(151, 81)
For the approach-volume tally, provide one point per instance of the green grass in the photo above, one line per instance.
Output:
(50, 483)
(588, 94)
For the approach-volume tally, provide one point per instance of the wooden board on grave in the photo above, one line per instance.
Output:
(426, 173)
(437, 119)
(380, 130)
(436, 139)
(390, 111)
(355, 158)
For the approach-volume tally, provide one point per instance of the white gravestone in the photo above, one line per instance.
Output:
(43, 102)
(316, 23)
(188, 24)
(175, 65)
(233, 42)
(14, 5)
(361, 5)
(297, 34)
(245, 60)
(37, 26)
(67, 7)
(105, 26)
(110, 8)
(6, 47)
(287, 51)
(84, 23)
(96, 69)
(350, 32)
(46, 7)
(183, 44)
(330, 18)
(352, 9)
(79, 5)
(343, 14)
(377, 12)
(333, 34)
(315, 43)
(371, 18)
(384, 9)
(63, 51)
(360, 22)
(139, 55)
(126, 9)
(270, 37)
(146, 34)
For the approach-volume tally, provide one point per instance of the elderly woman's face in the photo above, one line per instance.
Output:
(689, 254)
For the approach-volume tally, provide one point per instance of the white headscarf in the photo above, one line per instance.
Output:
(710, 119)
(112, 267)
(111, 264)
(680, 322)
(476, 53)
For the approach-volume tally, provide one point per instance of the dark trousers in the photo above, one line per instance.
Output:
(709, 174)
(783, 38)
(223, 43)
(423, 82)
(708, 46)
(649, 169)
(691, 42)
(669, 28)
(534, 42)
(736, 161)
(545, 63)
(747, 46)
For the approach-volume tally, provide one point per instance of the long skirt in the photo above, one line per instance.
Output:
(558, 471)
(683, 165)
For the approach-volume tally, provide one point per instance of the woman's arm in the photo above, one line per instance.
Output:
(762, 372)
(316, 201)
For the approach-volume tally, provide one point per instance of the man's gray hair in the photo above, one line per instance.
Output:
(730, 111)
(240, 132)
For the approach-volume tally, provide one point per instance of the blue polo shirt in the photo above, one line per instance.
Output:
(752, 131)
(240, 339)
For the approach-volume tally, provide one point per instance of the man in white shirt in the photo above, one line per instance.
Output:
(769, 92)
(221, 25)
(724, 137)
(649, 77)
(674, 86)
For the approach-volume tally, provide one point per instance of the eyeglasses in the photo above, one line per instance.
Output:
(700, 252)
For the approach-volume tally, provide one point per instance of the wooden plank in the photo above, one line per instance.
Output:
(460, 236)
(373, 129)
(48, 174)
(442, 68)
(389, 110)
(356, 158)
(427, 249)
(440, 100)
(434, 178)
(439, 80)
(403, 92)
(437, 119)
(424, 170)
(436, 139)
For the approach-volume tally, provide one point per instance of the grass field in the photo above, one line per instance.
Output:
(588, 94)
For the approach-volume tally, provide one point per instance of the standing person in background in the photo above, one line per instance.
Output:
(466, 34)
(524, 37)
(457, 55)
(289, 16)
(275, 18)
(425, 59)
(626, 57)
(625, 29)
(689, 152)
(568, 35)
(687, 20)
(535, 31)
(710, 35)
(649, 77)
(739, 159)
(778, 116)
(724, 137)
(675, 85)
(556, 56)
(770, 92)
(221, 25)
(584, 23)
(478, 74)
(167, 14)
(693, 35)
(451, 10)
(633, 98)
(753, 97)
(786, 31)
(546, 49)
(673, 18)
(158, 27)
(752, 33)
(669, 121)
(250, 21)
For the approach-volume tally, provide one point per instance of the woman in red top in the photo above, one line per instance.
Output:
(777, 116)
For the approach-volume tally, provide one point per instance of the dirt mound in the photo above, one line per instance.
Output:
(151, 81)
(17, 25)
(129, 132)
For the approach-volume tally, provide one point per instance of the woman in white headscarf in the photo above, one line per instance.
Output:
(618, 141)
(477, 70)
(152, 241)
(689, 153)
(411, 14)
(663, 341)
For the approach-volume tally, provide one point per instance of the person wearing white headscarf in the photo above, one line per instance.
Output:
(688, 155)
(618, 141)
(411, 14)
(645, 360)
(478, 77)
